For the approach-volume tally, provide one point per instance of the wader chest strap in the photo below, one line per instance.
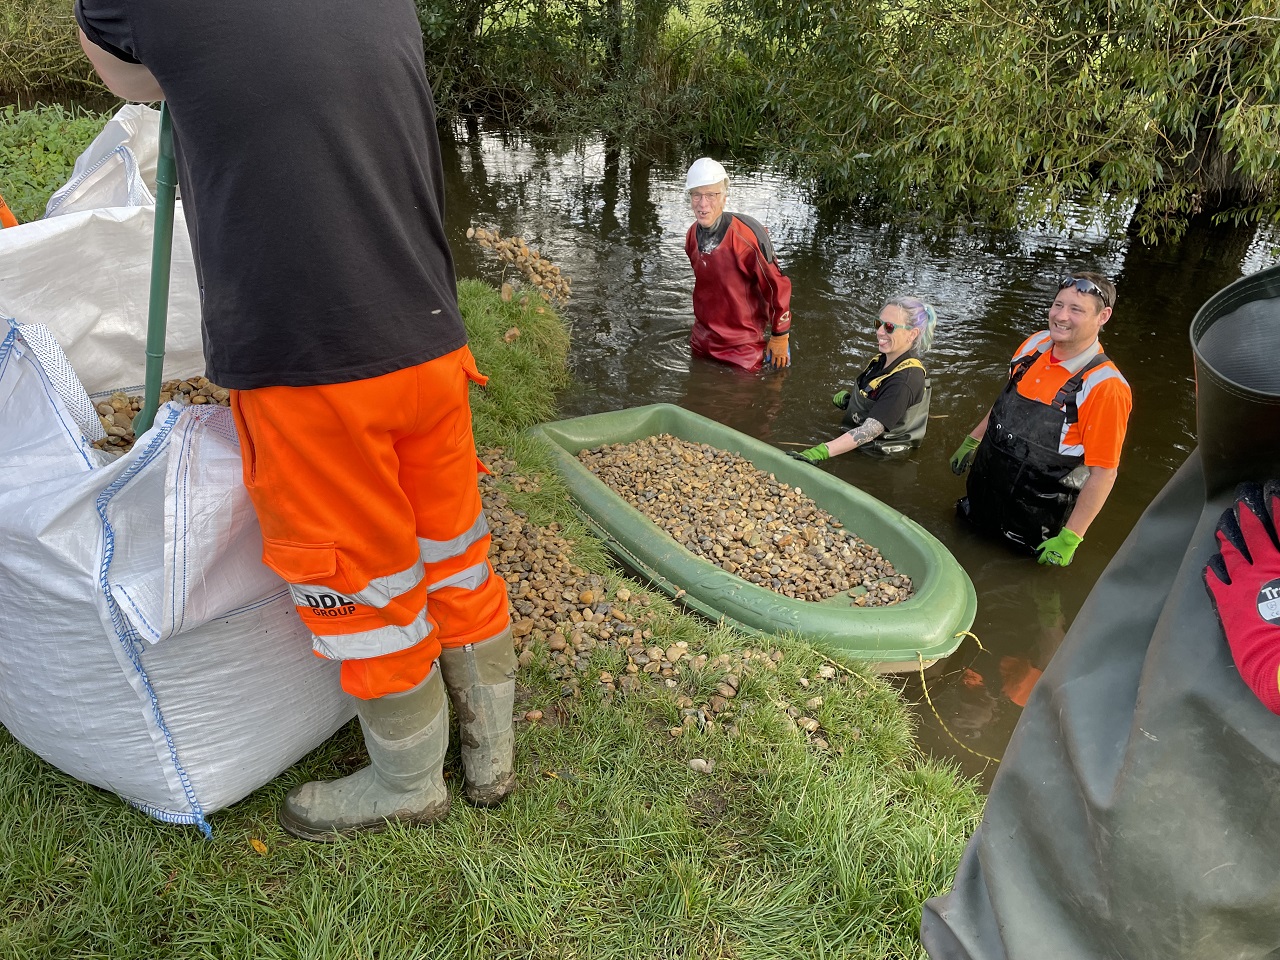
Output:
(1065, 399)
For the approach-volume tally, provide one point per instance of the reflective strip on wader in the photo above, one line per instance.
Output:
(434, 551)
(472, 578)
(911, 363)
(316, 601)
(1072, 395)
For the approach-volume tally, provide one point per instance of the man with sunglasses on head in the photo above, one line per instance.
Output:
(1046, 455)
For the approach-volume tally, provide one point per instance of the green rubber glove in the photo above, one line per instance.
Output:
(1059, 550)
(841, 400)
(813, 454)
(964, 454)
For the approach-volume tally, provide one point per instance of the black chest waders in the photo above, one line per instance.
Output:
(1136, 811)
(1020, 486)
(905, 435)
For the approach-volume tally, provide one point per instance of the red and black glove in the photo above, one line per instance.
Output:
(1243, 580)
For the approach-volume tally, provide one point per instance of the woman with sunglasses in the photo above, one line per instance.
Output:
(887, 411)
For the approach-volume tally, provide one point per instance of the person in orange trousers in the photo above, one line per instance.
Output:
(313, 190)
(375, 522)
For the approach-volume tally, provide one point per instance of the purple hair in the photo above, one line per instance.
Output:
(922, 318)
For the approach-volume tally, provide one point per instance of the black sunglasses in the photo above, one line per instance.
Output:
(1085, 285)
(890, 327)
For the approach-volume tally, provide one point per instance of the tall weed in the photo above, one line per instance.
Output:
(40, 53)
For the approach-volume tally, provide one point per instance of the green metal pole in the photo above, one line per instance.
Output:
(161, 257)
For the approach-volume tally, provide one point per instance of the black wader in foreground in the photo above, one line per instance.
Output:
(1136, 812)
(1020, 487)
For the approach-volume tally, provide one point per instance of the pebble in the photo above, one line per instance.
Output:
(118, 411)
(722, 508)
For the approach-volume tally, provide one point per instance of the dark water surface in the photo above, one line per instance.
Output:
(616, 223)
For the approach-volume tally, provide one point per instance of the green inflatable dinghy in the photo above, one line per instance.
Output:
(893, 638)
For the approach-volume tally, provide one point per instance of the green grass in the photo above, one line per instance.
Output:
(612, 847)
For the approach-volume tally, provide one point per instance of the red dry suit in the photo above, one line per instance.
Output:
(739, 294)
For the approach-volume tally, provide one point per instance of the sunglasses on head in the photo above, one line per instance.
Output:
(1085, 285)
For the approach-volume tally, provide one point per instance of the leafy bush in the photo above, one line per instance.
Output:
(38, 148)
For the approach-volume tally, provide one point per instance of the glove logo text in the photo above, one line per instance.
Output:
(1269, 602)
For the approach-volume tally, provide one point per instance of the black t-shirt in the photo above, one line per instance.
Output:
(310, 177)
(890, 400)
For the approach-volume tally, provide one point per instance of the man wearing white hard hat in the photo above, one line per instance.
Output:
(741, 300)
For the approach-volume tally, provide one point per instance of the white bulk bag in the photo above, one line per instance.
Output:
(145, 648)
(118, 169)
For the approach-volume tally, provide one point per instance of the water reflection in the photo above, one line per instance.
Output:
(748, 401)
(614, 218)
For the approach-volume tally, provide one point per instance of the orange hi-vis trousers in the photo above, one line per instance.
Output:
(370, 510)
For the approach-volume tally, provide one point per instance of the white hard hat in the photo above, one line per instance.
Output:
(704, 173)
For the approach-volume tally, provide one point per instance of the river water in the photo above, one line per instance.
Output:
(615, 219)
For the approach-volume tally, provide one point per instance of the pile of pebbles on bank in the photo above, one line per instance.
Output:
(560, 611)
(117, 412)
(722, 508)
(567, 616)
(539, 272)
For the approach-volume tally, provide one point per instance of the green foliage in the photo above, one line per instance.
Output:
(38, 148)
(626, 69)
(40, 50)
(1007, 111)
(1003, 112)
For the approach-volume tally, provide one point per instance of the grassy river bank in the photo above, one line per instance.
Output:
(640, 829)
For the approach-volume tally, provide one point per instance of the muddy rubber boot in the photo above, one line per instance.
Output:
(481, 678)
(406, 735)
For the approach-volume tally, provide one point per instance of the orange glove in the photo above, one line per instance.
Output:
(777, 351)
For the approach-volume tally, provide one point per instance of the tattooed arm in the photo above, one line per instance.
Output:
(863, 433)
